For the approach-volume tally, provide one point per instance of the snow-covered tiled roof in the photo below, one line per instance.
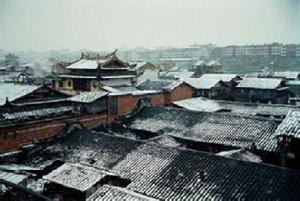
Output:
(217, 128)
(293, 82)
(179, 74)
(88, 97)
(199, 63)
(14, 91)
(76, 176)
(134, 93)
(220, 76)
(259, 83)
(108, 192)
(84, 64)
(109, 89)
(241, 154)
(213, 63)
(202, 83)
(38, 113)
(118, 77)
(208, 105)
(139, 64)
(287, 74)
(159, 85)
(15, 178)
(290, 125)
(170, 173)
(199, 104)
(77, 76)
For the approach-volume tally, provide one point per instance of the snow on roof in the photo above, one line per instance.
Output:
(293, 82)
(217, 128)
(241, 154)
(39, 113)
(15, 178)
(76, 176)
(209, 105)
(199, 63)
(213, 63)
(287, 74)
(107, 192)
(13, 91)
(138, 64)
(260, 83)
(109, 89)
(78, 76)
(88, 97)
(252, 75)
(199, 104)
(178, 59)
(117, 91)
(290, 125)
(159, 85)
(223, 77)
(202, 82)
(17, 167)
(118, 77)
(169, 173)
(134, 93)
(179, 74)
(166, 141)
(84, 64)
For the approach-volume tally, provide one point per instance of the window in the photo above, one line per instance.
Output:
(60, 84)
(69, 83)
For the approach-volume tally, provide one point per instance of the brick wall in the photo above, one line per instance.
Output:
(158, 100)
(13, 136)
(181, 92)
(126, 104)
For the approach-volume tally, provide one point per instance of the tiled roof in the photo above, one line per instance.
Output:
(287, 74)
(15, 91)
(259, 83)
(290, 125)
(202, 83)
(76, 176)
(84, 64)
(213, 63)
(88, 97)
(209, 105)
(220, 76)
(241, 154)
(15, 178)
(216, 128)
(159, 85)
(199, 104)
(108, 192)
(169, 173)
(39, 113)
(179, 74)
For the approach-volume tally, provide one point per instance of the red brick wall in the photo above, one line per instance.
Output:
(16, 135)
(158, 100)
(181, 92)
(126, 104)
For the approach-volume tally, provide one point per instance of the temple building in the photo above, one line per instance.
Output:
(90, 73)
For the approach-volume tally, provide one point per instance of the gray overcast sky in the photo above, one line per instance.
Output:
(107, 24)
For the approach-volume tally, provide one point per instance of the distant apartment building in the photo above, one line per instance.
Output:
(298, 51)
(265, 50)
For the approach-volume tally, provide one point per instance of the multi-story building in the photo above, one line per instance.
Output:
(298, 51)
(265, 50)
(90, 73)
